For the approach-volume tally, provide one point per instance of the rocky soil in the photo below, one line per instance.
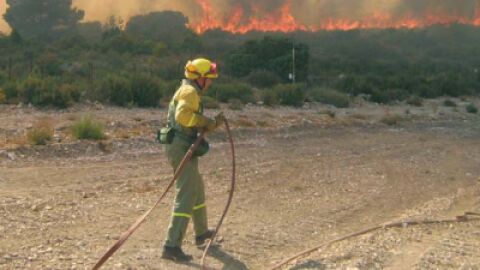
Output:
(305, 176)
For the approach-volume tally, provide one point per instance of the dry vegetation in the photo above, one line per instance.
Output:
(353, 168)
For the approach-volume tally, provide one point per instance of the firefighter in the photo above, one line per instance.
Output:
(186, 120)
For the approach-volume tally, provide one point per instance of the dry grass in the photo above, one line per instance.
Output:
(263, 124)
(41, 133)
(330, 113)
(244, 123)
(235, 105)
(392, 119)
(359, 116)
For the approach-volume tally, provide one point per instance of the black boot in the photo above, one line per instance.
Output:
(200, 240)
(175, 254)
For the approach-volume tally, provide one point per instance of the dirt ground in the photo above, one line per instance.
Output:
(305, 176)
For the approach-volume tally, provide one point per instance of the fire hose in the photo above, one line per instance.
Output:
(124, 237)
(402, 224)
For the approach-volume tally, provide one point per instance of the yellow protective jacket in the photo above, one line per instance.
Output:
(185, 112)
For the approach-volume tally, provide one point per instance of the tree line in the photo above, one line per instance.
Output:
(52, 58)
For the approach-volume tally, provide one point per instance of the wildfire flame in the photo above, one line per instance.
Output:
(283, 20)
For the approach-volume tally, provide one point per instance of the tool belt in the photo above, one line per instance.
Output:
(167, 134)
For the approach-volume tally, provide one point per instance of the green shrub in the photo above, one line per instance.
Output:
(146, 90)
(86, 128)
(290, 94)
(118, 89)
(170, 88)
(449, 103)
(225, 92)
(3, 97)
(388, 95)
(209, 103)
(65, 95)
(11, 90)
(331, 97)
(47, 92)
(33, 90)
(415, 101)
(235, 104)
(270, 98)
(41, 133)
(471, 108)
(263, 79)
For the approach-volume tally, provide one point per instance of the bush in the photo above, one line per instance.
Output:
(86, 128)
(392, 120)
(35, 91)
(290, 94)
(170, 88)
(449, 103)
(270, 98)
(146, 91)
(65, 95)
(209, 103)
(235, 104)
(471, 108)
(41, 133)
(263, 79)
(11, 90)
(3, 97)
(118, 89)
(415, 101)
(225, 92)
(45, 92)
(331, 97)
(387, 96)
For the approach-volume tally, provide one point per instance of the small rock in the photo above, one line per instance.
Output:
(11, 156)
(39, 207)
(87, 195)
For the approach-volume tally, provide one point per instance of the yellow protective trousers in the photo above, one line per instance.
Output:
(190, 195)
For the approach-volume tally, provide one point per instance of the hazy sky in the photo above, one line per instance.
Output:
(309, 12)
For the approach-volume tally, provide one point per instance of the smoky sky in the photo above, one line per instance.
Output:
(308, 12)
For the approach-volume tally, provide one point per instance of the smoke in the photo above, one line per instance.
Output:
(312, 14)
(96, 10)
(3, 25)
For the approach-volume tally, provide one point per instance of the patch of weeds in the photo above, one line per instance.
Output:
(415, 101)
(87, 128)
(449, 103)
(471, 108)
(392, 120)
(359, 116)
(3, 96)
(41, 133)
(263, 124)
(245, 123)
(331, 97)
(235, 104)
(209, 102)
(330, 113)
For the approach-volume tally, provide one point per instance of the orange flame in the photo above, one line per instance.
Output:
(282, 20)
